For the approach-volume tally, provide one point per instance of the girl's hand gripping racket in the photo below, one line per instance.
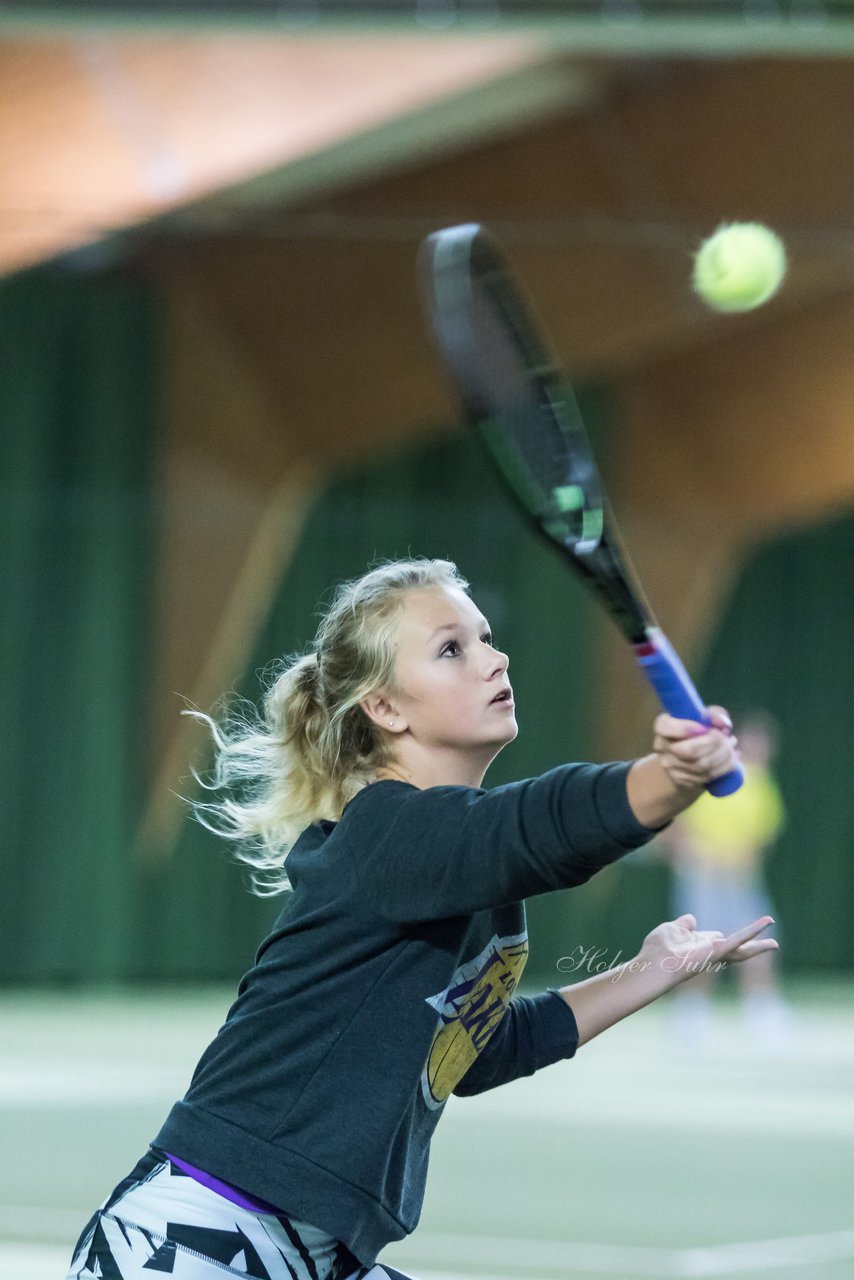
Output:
(528, 418)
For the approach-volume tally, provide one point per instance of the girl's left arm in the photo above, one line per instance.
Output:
(673, 953)
(534, 1032)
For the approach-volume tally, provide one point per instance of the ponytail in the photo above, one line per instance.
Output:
(312, 749)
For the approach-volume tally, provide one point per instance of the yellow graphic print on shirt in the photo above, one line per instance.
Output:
(469, 1010)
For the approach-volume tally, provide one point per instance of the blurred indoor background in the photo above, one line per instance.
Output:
(219, 397)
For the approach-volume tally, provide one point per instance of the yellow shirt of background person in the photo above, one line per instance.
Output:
(735, 831)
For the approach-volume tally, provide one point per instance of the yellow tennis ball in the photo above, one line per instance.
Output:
(740, 266)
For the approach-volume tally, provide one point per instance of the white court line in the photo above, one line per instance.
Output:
(28, 1221)
(572, 1258)
(765, 1255)
(546, 1255)
(828, 1115)
(33, 1261)
(39, 1085)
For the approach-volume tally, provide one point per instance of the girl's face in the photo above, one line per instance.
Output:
(448, 672)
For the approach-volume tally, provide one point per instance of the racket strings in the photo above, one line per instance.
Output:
(525, 411)
(533, 425)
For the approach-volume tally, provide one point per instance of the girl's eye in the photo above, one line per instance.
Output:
(453, 647)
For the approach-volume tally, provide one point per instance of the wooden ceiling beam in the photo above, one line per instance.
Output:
(99, 132)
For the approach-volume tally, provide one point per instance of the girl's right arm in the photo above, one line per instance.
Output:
(453, 850)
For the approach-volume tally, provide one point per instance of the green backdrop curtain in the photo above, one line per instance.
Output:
(77, 414)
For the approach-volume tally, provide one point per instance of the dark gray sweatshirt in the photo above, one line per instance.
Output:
(386, 985)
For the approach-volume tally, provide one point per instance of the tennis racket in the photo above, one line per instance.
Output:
(526, 415)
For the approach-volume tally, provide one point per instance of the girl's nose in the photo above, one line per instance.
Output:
(500, 662)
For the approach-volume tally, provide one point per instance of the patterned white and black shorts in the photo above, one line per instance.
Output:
(160, 1221)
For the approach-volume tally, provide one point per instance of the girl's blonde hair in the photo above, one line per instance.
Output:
(313, 748)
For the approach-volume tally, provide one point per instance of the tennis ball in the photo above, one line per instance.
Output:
(740, 266)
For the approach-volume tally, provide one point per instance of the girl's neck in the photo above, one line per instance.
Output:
(432, 773)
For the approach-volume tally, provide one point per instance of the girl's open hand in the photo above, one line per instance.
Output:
(693, 754)
(682, 950)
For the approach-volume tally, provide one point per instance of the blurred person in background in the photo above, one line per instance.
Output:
(717, 851)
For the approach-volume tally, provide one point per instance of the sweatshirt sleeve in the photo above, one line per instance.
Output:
(449, 851)
(534, 1032)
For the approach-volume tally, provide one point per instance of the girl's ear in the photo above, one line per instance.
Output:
(381, 711)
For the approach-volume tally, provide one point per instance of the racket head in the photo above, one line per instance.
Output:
(510, 385)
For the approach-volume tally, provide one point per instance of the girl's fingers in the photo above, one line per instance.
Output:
(741, 945)
(692, 750)
(749, 930)
(720, 719)
(694, 753)
(701, 758)
(750, 949)
(676, 730)
(708, 742)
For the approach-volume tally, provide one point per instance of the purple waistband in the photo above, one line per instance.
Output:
(234, 1194)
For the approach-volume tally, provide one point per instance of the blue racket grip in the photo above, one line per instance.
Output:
(676, 693)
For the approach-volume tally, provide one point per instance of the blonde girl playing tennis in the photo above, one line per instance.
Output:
(387, 983)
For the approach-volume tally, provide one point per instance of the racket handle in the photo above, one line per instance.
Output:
(676, 693)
